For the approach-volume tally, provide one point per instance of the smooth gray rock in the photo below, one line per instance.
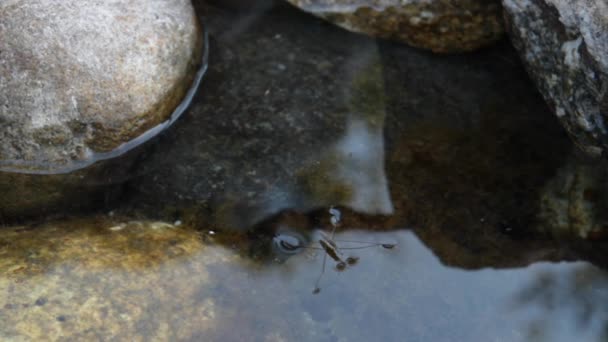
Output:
(81, 78)
(240, 5)
(82, 82)
(564, 45)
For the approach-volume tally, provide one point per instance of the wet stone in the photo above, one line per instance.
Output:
(98, 275)
(82, 84)
(40, 301)
(35, 196)
(248, 149)
(564, 45)
(437, 25)
(318, 153)
(240, 5)
(575, 201)
(458, 137)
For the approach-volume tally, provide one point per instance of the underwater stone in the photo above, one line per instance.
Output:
(82, 78)
(95, 281)
(564, 45)
(250, 148)
(27, 196)
(439, 25)
(575, 201)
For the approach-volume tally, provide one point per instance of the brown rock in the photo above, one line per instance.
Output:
(240, 5)
(439, 25)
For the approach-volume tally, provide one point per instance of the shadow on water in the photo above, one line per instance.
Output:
(226, 229)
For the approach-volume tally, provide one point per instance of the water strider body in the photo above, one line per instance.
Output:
(289, 243)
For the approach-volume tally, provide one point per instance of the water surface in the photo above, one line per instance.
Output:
(296, 118)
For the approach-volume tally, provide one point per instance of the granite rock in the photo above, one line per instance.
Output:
(564, 45)
(242, 5)
(79, 79)
(82, 83)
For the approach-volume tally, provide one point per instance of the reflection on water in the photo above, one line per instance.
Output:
(150, 280)
(302, 129)
(289, 121)
(576, 299)
(361, 166)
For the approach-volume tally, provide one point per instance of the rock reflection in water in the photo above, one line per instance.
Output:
(134, 280)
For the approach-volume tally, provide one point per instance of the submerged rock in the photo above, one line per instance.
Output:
(31, 196)
(564, 45)
(121, 279)
(104, 277)
(575, 201)
(438, 25)
(294, 123)
(83, 84)
(290, 122)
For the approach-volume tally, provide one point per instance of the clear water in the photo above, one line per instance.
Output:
(170, 284)
(223, 231)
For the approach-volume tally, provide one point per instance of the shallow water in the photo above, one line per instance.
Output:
(295, 117)
(150, 280)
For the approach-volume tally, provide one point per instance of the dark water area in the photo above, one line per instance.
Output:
(325, 186)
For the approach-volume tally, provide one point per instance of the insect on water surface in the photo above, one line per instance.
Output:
(291, 245)
(328, 244)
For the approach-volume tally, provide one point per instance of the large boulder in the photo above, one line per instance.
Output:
(81, 78)
(84, 81)
(437, 25)
(564, 45)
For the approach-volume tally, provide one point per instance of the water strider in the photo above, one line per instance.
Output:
(290, 243)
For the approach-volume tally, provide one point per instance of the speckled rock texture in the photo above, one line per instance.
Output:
(444, 26)
(290, 122)
(82, 82)
(81, 78)
(575, 201)
(564, 45)
(241, 5)
(103, 279)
